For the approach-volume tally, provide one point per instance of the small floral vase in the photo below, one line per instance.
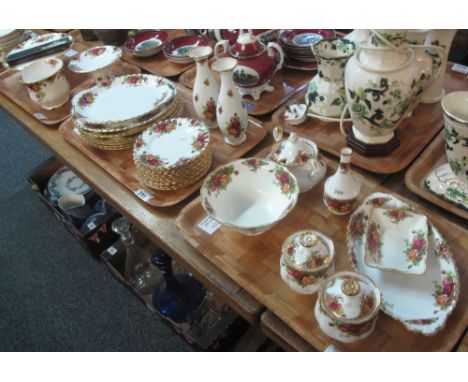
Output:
(342, 189)
(326, 93)
(231, 114)
(205, 89)
(443, 38)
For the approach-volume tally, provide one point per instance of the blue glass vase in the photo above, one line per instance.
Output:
(176, 296)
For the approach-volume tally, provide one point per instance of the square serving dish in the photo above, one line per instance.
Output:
(396, 240)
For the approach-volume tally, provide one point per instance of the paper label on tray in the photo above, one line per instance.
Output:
(40, 116)
(91, 226)
(71, 53)
(209, 225)
(332, 349)
(460, 68)
(112, 250)
(143, 194)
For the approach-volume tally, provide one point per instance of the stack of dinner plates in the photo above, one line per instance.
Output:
(173, 154)
(111, 117)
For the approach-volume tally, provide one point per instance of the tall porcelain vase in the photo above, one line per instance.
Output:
(443, 38)
(230, 111)
(205, 89)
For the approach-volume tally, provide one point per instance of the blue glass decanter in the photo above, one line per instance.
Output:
(176, 296)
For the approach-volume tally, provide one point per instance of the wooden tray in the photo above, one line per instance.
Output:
(432, 157)
(159, 64)
(11, 86)
(253, 262)
(120, 163)
(415, 132)
(287, 83)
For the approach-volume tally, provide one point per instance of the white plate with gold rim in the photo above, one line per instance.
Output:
(127, 98)
(95, 58)
(171, 143)
(423, 302)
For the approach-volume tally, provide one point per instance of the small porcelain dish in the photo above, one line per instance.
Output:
(295, 114)
(301, 156)
(65, 182)
(95, 58)
(146, 43)
(177, 49)
(347, 306)
(306, 260)
(249, 195)
(421, 303)
(396, 240)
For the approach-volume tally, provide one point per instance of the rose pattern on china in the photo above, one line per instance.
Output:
(135, 79)
(445, 291)
(209, 110)
(397, 215)
(220, 179)
(162, 128)
(377, 202)
(334, 304)
(373, 241)
(87, 99)
(151, 159)
(254, 164)
(339, 206)
(356, 226)
(367, 304)
(95, 52)
(284, 180)
(416, 250)
(234, 127)
(200, 142)
(352, 330)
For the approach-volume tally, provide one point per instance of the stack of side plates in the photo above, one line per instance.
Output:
(297, 43)
(9, 38)
(111, 117)
(173, 154)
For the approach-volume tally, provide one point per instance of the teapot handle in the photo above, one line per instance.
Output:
(271, 47)
(342, 128)
(221, 44)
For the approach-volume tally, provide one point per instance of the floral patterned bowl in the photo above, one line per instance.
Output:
(306, 260)
(249, 195)
(397, 240)
(177, 49)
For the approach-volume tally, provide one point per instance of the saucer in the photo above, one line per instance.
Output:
(445, 184)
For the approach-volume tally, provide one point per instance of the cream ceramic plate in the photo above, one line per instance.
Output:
(171, 143)
(249, 195)
(95, 58)
(422, 303)
(127, 99)
(396, 240)
(38, 40)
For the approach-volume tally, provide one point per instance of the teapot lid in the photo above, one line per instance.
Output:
(247, 45)
(349, 297)
(308, 251)
(294, 151)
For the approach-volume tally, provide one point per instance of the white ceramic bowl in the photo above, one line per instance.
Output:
(249, 195)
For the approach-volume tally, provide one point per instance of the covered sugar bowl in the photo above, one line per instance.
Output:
(347, 306)
(301, 156)
(306, 260)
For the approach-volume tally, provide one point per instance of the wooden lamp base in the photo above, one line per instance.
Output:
(369, 150)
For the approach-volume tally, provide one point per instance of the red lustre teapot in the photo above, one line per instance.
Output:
(256, 62)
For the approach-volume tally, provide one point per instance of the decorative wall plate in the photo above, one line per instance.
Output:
(422, 303)
(128, 98)
(396, 240)
(172, 143)
(95, 58)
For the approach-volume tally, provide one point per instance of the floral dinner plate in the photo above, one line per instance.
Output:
(422, 303)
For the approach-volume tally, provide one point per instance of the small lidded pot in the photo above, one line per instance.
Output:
(301, 156)
(347, 306)
(306, 260)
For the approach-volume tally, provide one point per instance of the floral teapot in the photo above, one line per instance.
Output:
(256, 62)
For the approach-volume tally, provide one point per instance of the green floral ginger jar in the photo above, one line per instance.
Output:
(380, 86)
(326, 93)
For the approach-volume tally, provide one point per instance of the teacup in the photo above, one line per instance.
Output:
(455, 107)
(46, 83)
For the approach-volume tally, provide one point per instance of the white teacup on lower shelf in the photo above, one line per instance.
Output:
(396, 240)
